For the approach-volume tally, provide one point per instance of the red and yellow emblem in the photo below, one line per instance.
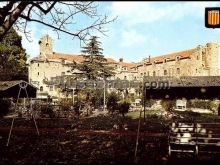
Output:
(213, 17)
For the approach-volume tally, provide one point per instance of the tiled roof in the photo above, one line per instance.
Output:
(172, 56)
(128, 65)
(71, 57)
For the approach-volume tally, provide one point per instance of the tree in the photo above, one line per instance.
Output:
(95, 64)
(112, 101)
(12, 57)
(54, 14)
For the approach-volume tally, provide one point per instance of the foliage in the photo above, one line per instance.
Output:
(97, 98)
(112, 101)
(5, 105)
(47, 110)
(57, 15)
(12, 57)
(124, 107)
(94, 65)
(66, 104)
(150, 102)
(196, 103)
(168, 104)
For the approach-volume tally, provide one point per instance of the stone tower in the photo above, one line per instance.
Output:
(212, 58)
(46, 46)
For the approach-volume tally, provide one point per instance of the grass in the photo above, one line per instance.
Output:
(133, 115)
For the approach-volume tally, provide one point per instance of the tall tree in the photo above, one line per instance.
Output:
(12, 57)
(54, 14)
(95, 65)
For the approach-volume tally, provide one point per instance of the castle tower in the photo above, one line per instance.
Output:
(212, 58)
(46, 46)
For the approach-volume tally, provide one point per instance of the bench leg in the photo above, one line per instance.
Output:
(169, 151)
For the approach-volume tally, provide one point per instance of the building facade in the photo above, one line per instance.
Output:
(199, 61)
(50, 64)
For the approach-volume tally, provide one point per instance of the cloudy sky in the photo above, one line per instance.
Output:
(141, 29)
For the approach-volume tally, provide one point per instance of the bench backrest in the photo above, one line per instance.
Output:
(195, 133)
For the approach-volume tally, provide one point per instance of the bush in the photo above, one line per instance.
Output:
(48, 110)
(168, 104)
(204, 104)
(112, 101)
(124, 107)
(66, 104)
(5, 105)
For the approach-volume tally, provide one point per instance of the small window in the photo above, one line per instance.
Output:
(197, 57)
(154, 73)
(144, 73)
(165, 72)
(51, 88)
(125, 77)
(148, 73)
(178, 70)
(165, 60)
(38, 73)
(41, 88)
(38, 64)
(177, 58)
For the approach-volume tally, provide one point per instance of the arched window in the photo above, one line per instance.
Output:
(41, 88)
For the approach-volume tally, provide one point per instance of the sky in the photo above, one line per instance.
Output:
(141, 29)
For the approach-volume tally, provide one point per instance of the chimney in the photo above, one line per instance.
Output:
(149, 59)
(120, 59)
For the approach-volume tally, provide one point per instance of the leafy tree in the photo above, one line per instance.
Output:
(12, 57)
(56, 15)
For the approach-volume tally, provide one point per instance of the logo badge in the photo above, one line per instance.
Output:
(212, 17)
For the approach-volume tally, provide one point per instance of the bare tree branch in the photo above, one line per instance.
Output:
(61, 15)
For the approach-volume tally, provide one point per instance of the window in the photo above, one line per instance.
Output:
(177, 58)
(165, 72)
(38, 73)
(178, 70)
(38, 64)
(148, 73)
(165, 60)
(62, 73)
(41, 88)
(144, 73)
(197, 57)
(125, 77)
(51, 88)
(154, 73)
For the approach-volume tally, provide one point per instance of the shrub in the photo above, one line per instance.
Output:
(112, 101)
(168, 104)
(124, 107)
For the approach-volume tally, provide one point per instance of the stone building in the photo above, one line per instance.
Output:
(199, 61)
(50, 64)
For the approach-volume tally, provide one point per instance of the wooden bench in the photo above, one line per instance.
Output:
(195, 138)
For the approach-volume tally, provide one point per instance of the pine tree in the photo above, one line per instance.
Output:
(95, 64)
(12, 57)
